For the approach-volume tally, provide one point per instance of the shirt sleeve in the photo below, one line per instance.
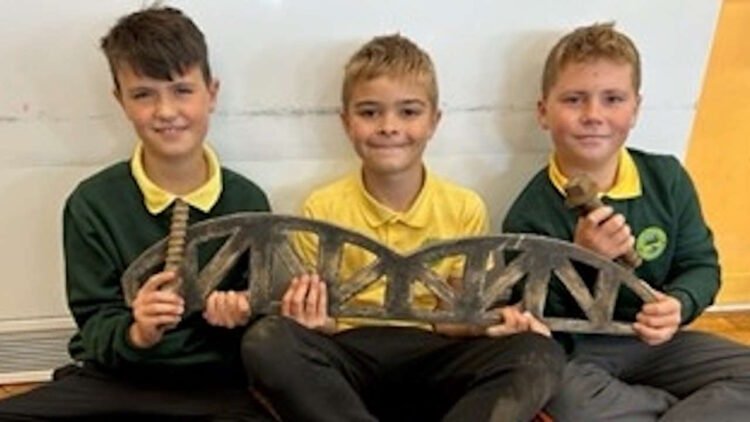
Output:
(694, 274)
(93, 288)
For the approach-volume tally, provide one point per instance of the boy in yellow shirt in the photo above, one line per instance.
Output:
(316, 370)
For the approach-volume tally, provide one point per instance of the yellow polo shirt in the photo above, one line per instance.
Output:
(627, 180)
(441, 211)
(157, 199)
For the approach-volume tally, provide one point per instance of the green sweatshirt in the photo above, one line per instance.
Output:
(672, 237)
(106, 227)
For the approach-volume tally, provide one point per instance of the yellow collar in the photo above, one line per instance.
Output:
(157, 199)
(627, 182)
(378, 214)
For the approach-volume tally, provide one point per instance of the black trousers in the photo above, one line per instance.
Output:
(365, 374)
(87, 393)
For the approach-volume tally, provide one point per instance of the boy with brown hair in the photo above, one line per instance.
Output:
(153, 361)
(313, 368)
(590, 100)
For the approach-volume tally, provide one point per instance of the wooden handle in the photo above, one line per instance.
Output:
(176, 242)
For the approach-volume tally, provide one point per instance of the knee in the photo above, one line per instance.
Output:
(528, 357)
(264, 342)
(542, 355)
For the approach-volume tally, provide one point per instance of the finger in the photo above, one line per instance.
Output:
(243, 304)
(620, 237)
(514, 319)
(286, 300)
(209, 313)
(149, 298)
(658, 321)
(660, 307)
(323, 302)
(298, 299)
(537, 326)
(599, 215)
(648, 335)
(313, 295)
(161, 309)
(156, 281)
(230, 309)
(165, 322)
(499, 330)
(613, 224)
(239, 308)
(509, 317)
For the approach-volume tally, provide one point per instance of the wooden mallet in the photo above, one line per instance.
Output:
(582, 194)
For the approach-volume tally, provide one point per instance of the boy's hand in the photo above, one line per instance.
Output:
(227, 309)
(604, 232)
(306, 301)
(658, 321)
(515, 321)
(155, 310)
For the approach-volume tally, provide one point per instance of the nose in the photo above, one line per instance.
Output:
(166, 108)
(592, 112)
(389, 124)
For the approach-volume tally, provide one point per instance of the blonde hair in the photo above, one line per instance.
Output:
(587, 43)
(389, 55)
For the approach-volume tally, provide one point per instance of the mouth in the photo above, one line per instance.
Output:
(170, 130)
(387, 146)
(592, 137)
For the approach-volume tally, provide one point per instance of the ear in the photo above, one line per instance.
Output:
(118, 95)
(213, 92)
(634, 118)
(345, 121)
(541, 113)
(436, 116)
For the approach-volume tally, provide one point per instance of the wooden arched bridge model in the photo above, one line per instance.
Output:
(492, 266)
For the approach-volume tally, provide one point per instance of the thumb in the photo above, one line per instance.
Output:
(156, 281)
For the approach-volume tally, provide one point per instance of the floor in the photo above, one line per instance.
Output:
(733, 325)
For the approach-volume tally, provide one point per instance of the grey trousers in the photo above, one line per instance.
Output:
(693, 377)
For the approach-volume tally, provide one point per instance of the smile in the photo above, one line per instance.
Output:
(170, 129)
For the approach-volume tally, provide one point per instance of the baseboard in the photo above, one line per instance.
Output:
(729, 307)
(30, 349)
(25, 377)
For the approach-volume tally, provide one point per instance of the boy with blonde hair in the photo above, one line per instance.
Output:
(317, 369)
(590, 100)
(153, 361)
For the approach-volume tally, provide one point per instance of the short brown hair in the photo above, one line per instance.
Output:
(157, 42)
(389, 55)
(597, 41)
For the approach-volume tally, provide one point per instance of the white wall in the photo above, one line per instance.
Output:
(280, 63)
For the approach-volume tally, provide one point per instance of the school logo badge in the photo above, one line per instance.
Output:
(651, 243)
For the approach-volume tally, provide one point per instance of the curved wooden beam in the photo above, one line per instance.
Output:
(492, 266)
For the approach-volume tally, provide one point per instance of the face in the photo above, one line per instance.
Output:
(589, 112)
(389, 121)
(170, 117)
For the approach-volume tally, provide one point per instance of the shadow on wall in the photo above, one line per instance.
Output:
(527, 144)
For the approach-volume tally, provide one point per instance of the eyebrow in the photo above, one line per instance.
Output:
(407, 102)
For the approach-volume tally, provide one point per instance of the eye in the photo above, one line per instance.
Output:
(614, 99)
(367, 113)
(411, 112)
(140, 95)
(183, 90)
(572, 99)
